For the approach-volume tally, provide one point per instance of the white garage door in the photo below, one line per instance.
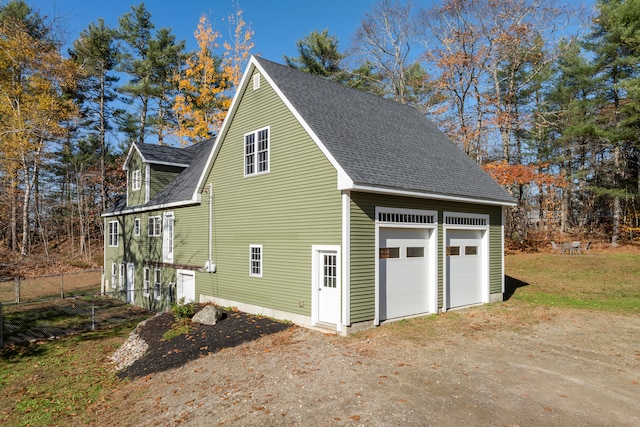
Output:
(464, 268)
(403, 272)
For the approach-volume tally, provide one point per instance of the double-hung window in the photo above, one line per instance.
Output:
(114, 275)
(121, 277)
(113, 233)
(255, 260)
(136, 227)
(156, 283)
(136, 180)
(147, 281)
(154, 226)
(256, 152)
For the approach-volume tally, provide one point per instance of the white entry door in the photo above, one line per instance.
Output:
(403, 272)
(327, 284)
(130, 282)
(464, 267)
(186, 286)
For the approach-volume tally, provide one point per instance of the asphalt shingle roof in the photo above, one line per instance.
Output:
(381, 143)
(154, 153)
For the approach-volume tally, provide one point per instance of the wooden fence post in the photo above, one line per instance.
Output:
(16, 290)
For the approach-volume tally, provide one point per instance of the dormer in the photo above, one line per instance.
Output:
(150, 168)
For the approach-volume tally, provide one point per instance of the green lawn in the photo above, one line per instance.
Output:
(609, 281)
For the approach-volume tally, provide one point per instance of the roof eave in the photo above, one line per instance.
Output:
(426, 195)
(145, 208)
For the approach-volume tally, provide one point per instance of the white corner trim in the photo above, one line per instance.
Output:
(346, 260)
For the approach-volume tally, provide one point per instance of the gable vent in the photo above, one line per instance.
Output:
(256, 81)
(405, 218)
(465, 220)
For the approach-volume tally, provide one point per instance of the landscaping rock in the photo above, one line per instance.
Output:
(209, 315)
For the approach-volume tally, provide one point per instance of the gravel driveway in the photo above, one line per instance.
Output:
(504, 364)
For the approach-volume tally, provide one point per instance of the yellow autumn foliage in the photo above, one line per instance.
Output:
(207, 80)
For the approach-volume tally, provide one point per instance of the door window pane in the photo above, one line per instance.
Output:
(453, 250)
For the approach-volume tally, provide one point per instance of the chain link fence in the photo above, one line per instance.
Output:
(51, 286)
(76, 307)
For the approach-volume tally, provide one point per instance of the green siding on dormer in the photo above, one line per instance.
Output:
(161, 175)
(137, 197)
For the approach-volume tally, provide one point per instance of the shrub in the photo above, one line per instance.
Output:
(183, 311)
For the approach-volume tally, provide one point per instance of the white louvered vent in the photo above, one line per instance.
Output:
(465, 220)
(405, 218)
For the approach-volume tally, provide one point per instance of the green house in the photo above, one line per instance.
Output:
(316, 203)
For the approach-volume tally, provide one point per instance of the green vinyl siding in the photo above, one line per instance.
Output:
(136, 197)
(160, 176)
(363, 244)
(287, 210)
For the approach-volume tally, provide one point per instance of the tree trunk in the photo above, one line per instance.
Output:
(14, 215)
(24, 251)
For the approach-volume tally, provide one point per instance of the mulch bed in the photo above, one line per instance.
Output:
(233, 329)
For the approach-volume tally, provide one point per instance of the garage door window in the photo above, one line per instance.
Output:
(453, 250)
(413, 252)
(471, 250)
(386, 253)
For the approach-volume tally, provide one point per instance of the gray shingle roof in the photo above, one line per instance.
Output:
(183, 186)
(154, 153)
(381, 143)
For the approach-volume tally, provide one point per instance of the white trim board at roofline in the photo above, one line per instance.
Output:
(408, 193)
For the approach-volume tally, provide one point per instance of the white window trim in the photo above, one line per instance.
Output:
(156, 230)
(114, 275)
(113, 232)
(121, 277)
(146, 281)
(136, 227)
(168, 233)
(136, 180)
(255, 152)
(260, 261)
(157, 290)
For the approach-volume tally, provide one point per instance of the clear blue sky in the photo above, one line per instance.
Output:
(278, 24)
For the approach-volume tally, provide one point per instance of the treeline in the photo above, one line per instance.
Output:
(68, 118)
(543, 96)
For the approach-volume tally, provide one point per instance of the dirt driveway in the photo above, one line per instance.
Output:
(504, 364)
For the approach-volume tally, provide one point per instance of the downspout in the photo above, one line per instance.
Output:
(210, 267)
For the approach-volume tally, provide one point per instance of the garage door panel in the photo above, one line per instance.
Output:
(403, 272)
(464, 268)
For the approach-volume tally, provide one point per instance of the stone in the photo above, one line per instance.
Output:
(209, 315)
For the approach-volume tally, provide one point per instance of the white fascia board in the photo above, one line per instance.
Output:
(158, 162)
(152, 208)
(343, 177)
(125, 166)
(393, 192)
